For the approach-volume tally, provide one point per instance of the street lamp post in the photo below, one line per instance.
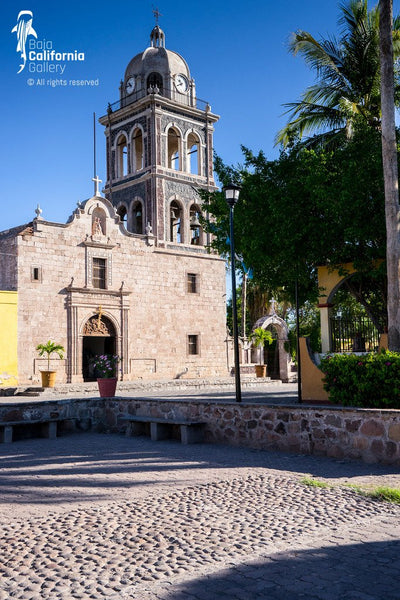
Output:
(232, 196)
(299, 393)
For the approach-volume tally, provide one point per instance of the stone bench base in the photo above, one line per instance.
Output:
(191, 432)
(48, 429)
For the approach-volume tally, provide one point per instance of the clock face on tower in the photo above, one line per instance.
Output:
(130, 85)
(181, 83)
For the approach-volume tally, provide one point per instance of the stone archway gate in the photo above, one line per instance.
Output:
(283, 336)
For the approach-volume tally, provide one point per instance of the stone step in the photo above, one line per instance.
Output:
(167, 384)
(91, 387)
(30, 391)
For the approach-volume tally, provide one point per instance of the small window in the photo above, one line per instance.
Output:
(192, 283)
(99, 273)
(36, 274)
(193, 344)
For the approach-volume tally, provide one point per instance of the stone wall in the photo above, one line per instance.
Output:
(146, 300)
(366, 434)
(79, 414)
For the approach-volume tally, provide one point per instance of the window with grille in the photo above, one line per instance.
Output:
(99, 273)
(192, 283)
(193, 344)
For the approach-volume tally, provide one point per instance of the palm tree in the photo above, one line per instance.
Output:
(260, 337)
(49, 348)
(390, 172)
(348, 79)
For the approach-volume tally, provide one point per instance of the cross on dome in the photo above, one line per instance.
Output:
(157, 36)
(156, 14)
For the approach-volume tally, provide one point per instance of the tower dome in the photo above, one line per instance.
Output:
(158, 70)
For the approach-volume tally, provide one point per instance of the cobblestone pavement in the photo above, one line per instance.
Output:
(114, 518)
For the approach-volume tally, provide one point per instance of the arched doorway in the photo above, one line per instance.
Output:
(352, 308)
(99, 337)
(272, 354)
(278, 356)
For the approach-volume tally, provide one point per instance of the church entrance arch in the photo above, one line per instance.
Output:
(99, 337)
(279, 364)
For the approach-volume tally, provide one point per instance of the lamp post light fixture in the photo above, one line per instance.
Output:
(232, 196)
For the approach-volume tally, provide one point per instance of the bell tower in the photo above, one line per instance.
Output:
(159, 139)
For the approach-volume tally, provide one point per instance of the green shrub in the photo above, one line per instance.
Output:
(369, 380)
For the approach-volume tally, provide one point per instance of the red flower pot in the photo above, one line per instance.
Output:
(107, 386)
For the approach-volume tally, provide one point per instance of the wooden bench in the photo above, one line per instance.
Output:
(191, 432)
(48, 429)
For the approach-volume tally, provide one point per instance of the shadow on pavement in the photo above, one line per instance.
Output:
(92, 466)
(348, 572)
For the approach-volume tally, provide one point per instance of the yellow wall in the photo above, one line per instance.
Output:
(329, 279)
(8, 339)
(312, 387)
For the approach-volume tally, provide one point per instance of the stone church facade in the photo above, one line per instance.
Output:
(130, 273)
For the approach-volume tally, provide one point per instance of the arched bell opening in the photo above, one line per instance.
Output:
(137, 150)
(137, 219)
(155, 83)
(176, 223)
(122, 156)
(193, 164)
(123, 214)
(174, 146)
(196, 230)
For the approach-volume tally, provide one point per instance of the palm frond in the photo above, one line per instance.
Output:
(347, 72)
(309, 118)
(318, 55)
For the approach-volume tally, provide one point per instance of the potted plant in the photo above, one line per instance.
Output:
(105, 366)
(49, 377)
(260, 337)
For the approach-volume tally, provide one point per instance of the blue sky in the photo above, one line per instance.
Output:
(236, 52)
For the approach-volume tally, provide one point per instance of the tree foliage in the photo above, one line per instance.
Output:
(308, 207)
